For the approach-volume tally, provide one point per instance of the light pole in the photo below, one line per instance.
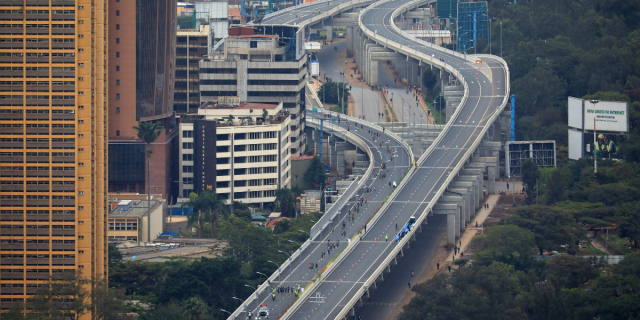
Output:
(231, 314)
(440, 103)
(277, 265)
(288, 255)
(489, 19)
(306, 232)
(402, 114)
(262, 274)
(299, 247)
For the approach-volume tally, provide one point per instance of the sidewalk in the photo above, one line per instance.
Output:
(389, 69)
(471, 231)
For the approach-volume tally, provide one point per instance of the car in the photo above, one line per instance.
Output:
(263, 311)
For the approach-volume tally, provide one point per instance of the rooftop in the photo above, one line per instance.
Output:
(258, 36)
(242, 105)
(138, 208)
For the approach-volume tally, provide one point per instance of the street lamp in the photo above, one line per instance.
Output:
(288, 255)
(302, 231)
(440, 104)
(231, 314)
(277, 265)
(262, 274)
(254, 289)
(402, 115)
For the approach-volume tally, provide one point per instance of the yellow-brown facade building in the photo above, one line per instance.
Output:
(53, 142)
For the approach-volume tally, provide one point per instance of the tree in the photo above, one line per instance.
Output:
(194, 307)
(230, 119)
(285, 202)
(297, 190)
(530, 175)
(114, 254)
(334, 93)
(630, 228)
(264, 114)
(206, 206)
(508, 244)
(108, 303)
(60, 298)
(429, 79)
(148, 133)
(315, 173)
(552, 227)
(555, 189)
(570, 271)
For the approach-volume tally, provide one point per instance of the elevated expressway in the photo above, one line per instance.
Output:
(447, 179)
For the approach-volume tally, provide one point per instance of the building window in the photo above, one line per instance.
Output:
(117, 26)
(187, 134)
(117, 82)
(117, 54)
(117, 13)
(117, 133)
(253, 44)
(117, 68)
(117, 109)
(117, 96)
(117, 40)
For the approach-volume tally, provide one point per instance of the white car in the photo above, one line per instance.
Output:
(263, 311)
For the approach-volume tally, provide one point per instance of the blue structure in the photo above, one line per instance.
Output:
(473, 24)
(447, 9)
(513, 117)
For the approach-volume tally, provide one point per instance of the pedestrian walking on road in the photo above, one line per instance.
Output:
(396, 226)
(409, 284)
(438, 266)
(316, 265)
(411, 274)
(386, 238)
(449, 269)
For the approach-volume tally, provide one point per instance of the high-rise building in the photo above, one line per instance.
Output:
(53, 147)
(192, 46)
(142, 48)
(264, 64)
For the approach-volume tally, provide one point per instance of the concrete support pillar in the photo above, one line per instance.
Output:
(333, 158)
(349, 42)
(491, 178)
(451, 228)
(329, 33)
(242, 79)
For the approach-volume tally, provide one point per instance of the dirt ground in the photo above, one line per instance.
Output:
(503, 208)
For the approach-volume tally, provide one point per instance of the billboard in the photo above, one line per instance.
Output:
(575, 144)
(607, 116)
(605, 145)
(300, 38)
(575, 113)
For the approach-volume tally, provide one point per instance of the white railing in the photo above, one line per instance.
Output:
(456, 169)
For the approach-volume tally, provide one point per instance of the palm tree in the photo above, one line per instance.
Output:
(193, 308)
(230, 120)
(206, 206)
(148, 132)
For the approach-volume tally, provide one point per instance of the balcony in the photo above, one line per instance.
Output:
(37, 188)
(12, 276)
(12, 246)
(63, 188)
(63, 203)
(37, 173)
(11, 16)
(64, 102)
(12, 159)
(63, 17)
(63, 45)
(37, 59)
(67, 131)
(63, 262)
(37, 217)
(12, 145)
(11, 130)
(11, 60)
(63, 88)
(11, 173)
(63, 145)
(63, 3)
(12, 2)
(31, 159)
(63, 247)
(11, 217)
(38, 3)
(11, 88)
(37, 262)
(12, 74)
(37, 102)
(63, 233)
(38, 31)
(37, 116)
(37, 74)
(11, 232)
(36, 203)
(37, 276)
(37, 246)
(19, 290)
(37, 16)
(63, 59)
(62, 217)
(14, 31)
(11, 261)
(11, 187)
(62, 174)
(63, 31)
(11, 102)
(36, 88)
(37, 45)
(37, 145)
(63, 116)
(37, 130)
(64, 74)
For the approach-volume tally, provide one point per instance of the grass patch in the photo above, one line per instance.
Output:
(620, 244)
(591, 248)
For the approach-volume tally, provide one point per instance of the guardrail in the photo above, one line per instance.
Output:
(459, 165)
(322, 223)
